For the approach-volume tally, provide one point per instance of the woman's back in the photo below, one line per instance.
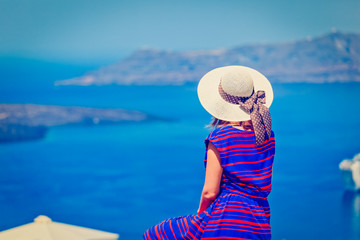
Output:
(241, 210)
(245, 165)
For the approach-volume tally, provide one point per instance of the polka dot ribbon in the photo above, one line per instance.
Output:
(259, 113)
(230, 98)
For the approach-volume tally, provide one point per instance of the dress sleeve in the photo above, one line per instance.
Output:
(212, 137)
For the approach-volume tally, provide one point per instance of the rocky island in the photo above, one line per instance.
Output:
(20, 122)
(333, 57)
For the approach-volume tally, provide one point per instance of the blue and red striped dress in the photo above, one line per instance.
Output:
(241, 210)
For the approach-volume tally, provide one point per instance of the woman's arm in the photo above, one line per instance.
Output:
(212, 178)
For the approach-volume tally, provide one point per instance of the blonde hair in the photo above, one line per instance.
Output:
(215, 122)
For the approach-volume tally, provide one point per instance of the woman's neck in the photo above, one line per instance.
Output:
(240, 126)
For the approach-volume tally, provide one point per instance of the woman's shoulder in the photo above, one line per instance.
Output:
(220, 132)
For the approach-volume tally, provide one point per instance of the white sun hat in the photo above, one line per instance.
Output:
(221, 88)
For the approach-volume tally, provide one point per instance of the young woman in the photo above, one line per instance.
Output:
(239, 158)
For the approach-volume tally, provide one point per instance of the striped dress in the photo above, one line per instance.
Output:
(241, 210)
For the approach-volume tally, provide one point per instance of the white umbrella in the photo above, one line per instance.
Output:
(44, 229)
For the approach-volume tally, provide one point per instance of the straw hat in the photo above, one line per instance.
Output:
(221, 88)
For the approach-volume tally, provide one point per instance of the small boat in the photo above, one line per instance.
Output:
(350, 172)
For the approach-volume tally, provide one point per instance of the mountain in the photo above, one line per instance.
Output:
(334, 57)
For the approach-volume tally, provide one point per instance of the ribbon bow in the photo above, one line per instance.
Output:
(259, 115)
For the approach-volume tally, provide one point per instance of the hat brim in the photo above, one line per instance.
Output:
(213, 103)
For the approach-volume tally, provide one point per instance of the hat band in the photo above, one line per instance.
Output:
(259, 115)
(231, 98)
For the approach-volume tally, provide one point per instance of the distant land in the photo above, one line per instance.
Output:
(19, 122)
(333, 57)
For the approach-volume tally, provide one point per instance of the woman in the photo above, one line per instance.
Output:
(238, 161)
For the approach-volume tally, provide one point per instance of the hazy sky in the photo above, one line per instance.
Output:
(104, 29)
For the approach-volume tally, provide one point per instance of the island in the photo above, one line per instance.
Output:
(20, 122)
(333, 57)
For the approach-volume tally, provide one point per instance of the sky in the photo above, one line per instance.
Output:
(91, 30)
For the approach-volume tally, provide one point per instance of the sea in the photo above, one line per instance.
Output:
(125, 178)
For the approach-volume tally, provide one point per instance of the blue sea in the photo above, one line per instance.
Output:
(125, 178)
